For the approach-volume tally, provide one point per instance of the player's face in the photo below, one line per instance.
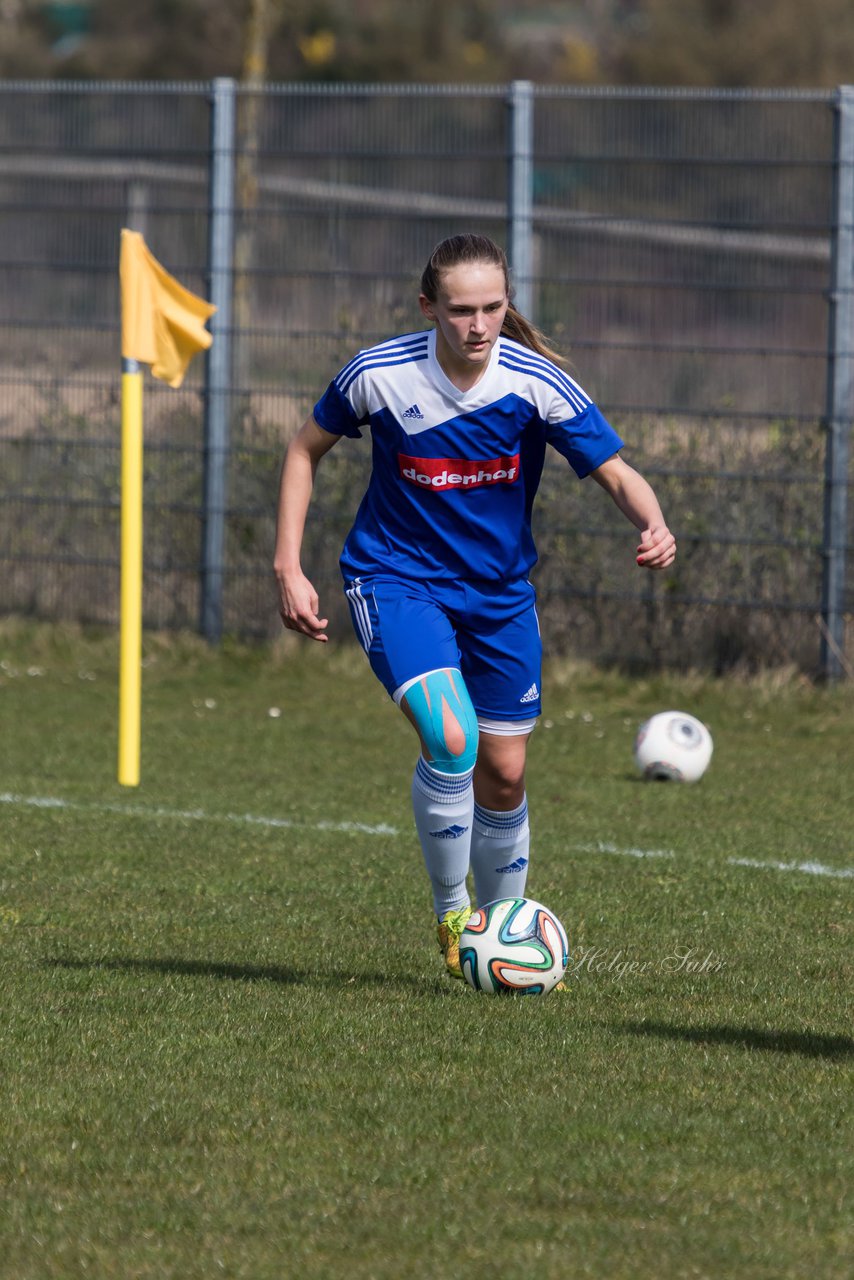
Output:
(468, 313)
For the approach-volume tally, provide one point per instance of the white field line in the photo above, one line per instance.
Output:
(806, 868)
(377, 829)
(250, 819)
(195, 815)
(602, 846)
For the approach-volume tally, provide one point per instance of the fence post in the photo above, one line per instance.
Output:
(218, 366)
(520, 228)
(840, 389)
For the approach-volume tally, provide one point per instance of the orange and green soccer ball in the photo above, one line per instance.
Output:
(514, 946)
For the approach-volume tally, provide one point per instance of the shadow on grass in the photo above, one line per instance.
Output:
(335, 981)
(811, 1044)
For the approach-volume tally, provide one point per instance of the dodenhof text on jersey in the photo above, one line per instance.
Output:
(458, 473)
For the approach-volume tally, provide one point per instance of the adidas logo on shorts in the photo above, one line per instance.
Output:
(532, 694)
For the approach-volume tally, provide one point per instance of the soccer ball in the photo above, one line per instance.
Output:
(673, 747)
(513, 945)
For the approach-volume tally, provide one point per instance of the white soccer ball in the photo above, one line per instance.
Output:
(673, 747)
(514, 945)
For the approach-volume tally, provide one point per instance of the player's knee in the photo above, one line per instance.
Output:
(501, 792)
(446, 721)
(501, 763)
(455, 754)
(506, 775)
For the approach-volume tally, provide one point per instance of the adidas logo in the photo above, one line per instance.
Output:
(414, 412)
(519, 865)
(450, 833)
(532, 694)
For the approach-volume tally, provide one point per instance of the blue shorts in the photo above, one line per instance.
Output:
(489, 631)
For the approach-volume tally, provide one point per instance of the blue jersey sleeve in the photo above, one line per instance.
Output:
(586, 441)
(334, 412)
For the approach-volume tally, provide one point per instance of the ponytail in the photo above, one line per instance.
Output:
(520, 329)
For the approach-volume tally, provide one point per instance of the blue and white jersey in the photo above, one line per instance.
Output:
(455, 472)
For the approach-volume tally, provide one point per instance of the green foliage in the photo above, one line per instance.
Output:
(734, 43)
(698, 42)
(227, 1046)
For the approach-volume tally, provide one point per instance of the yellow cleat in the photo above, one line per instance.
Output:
(448, 932)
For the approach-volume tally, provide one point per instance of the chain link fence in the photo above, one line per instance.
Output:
(690, 251)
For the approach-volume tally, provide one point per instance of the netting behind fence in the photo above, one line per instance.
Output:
(681, 256)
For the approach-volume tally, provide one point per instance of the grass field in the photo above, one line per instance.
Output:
(227, 1046)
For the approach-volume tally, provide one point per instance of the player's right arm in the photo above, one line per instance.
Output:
(298, 600)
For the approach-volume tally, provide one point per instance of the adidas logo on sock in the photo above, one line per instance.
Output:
(450, 833)
(519, 865)
(414, 412)
(532, 694)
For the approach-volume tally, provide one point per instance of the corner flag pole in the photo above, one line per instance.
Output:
(130, 632)
(163, 325)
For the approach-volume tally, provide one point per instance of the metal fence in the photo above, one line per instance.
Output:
(691, 251)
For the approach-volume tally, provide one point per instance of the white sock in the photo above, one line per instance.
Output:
(443, 804)
(500, 845)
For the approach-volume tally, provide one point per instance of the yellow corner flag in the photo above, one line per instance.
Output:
(163, 324)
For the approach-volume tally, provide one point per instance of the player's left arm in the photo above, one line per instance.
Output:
(636, 499)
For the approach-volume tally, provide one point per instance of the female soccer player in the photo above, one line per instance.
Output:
(436, 564)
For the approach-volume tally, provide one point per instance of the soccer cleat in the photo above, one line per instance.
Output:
(448, 932)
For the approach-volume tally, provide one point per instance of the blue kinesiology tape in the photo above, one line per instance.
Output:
(427, 700)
